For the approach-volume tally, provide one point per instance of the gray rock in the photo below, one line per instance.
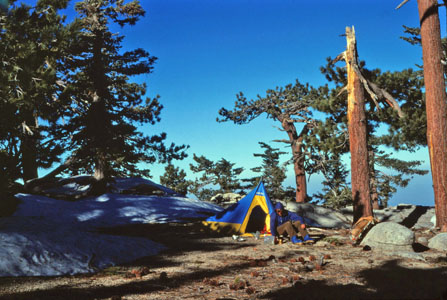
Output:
(405, 254)
(390, 236)
(422, 240)
(411, 216)
(226, 199)
(438, 242)
(319, 216)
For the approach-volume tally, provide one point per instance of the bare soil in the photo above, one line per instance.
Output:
(199, 265)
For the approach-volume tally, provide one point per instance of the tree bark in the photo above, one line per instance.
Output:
(435, 99)
(298, 158)
(361, 194)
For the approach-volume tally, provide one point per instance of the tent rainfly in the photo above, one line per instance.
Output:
(250, 214)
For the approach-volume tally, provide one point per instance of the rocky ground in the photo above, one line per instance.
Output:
(198, 265)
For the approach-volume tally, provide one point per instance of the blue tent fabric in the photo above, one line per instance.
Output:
(255, 205)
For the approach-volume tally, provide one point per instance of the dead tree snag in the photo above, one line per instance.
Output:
(358, 146)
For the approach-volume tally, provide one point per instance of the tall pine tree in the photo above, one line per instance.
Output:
(32, 44)
(105, 106)
(271, 171)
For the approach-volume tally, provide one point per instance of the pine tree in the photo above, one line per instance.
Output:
(175, 179)
(288, 105)
(271, 171)
(105, 107)
(391, 173)
(32, 42)
(221, 174)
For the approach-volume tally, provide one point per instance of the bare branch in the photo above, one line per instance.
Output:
(339, 57)
(26, 129)
(388, 99)
(366, 85)
(402, 4)
(377, 93)
(282, 141)
(343, 89)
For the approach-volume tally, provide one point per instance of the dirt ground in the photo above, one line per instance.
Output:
(198, 265)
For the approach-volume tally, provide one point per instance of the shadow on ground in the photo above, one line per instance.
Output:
(388, 281)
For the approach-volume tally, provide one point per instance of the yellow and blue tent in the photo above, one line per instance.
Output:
(250, 214)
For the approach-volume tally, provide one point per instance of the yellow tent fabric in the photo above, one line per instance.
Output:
(250, 214)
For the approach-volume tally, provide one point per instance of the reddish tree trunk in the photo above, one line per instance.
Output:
(298, 158)
(435, 99)
(361, 194)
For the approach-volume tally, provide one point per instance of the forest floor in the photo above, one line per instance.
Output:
(198, 265)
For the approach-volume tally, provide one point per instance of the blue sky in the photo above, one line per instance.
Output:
(210, 50)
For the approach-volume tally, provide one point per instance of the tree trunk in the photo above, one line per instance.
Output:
(435, 99)
(373, 182)
(298, 158)
(361, 194)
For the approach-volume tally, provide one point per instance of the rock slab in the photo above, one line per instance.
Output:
(438, 242)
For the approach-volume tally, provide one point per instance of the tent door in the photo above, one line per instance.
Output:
(256, 221)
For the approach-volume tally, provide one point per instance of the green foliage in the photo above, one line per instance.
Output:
(405, 133)
(102, 106)
(288, 105)
(271, 172)
(393, 173)
(221, 174)
(32, 43)
(335, 192)
(175, 179)
(291, 101)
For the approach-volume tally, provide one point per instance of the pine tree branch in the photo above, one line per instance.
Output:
(283, 141)
(343, 89)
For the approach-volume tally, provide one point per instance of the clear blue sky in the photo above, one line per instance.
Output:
(209, 50)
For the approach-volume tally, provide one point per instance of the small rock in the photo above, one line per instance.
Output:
(422, 240)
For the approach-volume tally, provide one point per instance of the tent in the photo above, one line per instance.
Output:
(250, 214)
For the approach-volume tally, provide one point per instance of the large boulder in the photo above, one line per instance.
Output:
(438, 242)
(390, 236)
(320, 216)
